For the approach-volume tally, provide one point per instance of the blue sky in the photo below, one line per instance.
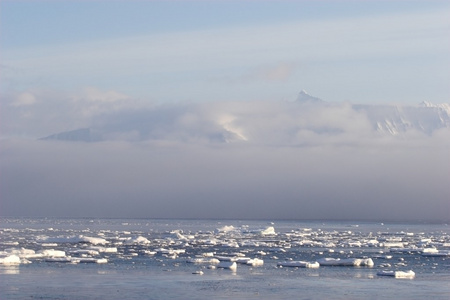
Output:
(172, 51)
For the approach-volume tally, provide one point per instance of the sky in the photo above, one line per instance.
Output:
(193, 108)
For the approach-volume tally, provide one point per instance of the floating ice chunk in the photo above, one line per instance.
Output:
(226, 258)
(73, 240)
(76, 260)
(10, 260)
(92, 260)
(231, 265)
(52, 253)
(242, 260)
(225, 229)
(372, 243)
(435, 252)
(355, 262)
(268, 231)
(22, 252)
(103, 249)
(65, 259)
(138, 240)
(49, 244)
(199, 272)
(392, 244)
(299, 264)
(255, 262)
(231, 244)
(84, 252)
(93, 240)
(397, 274)
(410, 249)
(202, 260)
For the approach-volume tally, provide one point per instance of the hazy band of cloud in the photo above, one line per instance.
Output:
(117, 179)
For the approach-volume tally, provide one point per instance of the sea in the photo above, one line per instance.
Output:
(58, 258)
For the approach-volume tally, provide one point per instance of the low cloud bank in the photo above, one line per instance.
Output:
(402, 182)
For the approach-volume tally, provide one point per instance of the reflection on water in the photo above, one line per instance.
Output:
(10, 270)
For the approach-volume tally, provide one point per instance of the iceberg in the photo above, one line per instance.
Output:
(299, 264)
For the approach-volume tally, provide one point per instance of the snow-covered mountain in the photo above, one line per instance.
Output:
(273, 123)
(304, 97)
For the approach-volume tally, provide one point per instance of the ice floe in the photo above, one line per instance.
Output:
(10, 260)
(231, 265)
(354, 262)
(397, 274)
(299, 264)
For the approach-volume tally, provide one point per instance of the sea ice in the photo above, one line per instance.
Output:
(138, 240)
(255, 262)
(10, 260)
(202, 260)
(397, 274)
(435, 252)
(299, 264)
(268, 231)
(355, 262)
(225, 229)
(227, 265)
(52, 253)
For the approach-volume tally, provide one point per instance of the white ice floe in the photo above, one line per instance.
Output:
(10, 260)
(231, 265)
(199, 272)
(65, 259)
(22, 252)
(255, 262)
(52, 253)
(435, 252)
(76, 260)
(225, 229)
(84, 252)
(409, 249)
(203, 260)
(103, 249)
(268, 231)
(353, 262)
(137, 240)
(397, 274)
(73, 240)
(299, 264)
